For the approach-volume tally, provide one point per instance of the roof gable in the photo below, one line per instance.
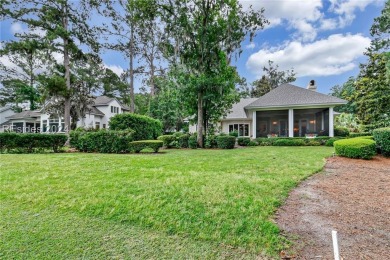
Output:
(288, 95)
(238, 109)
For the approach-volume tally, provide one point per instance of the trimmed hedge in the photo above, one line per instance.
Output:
(102, 141)
(382, 138)
(289, 142)
(182, 140)
(243, 141)
(322, 140)
(192, 142)
(226, 142)
(331, 141)
(356, 148)
(146, 128)
(210, 141)
(168, 140)
(138, 146)
(31, 143)
(359, 134)
(341, 131)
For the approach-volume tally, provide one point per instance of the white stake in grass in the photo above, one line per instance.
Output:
(335, 246)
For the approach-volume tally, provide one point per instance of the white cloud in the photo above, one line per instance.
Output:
(118, 70)
(250, 46)
(16, 28)
(332, 56)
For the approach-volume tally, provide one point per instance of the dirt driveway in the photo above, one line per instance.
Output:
(350, 196)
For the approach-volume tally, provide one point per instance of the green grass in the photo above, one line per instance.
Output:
(193, 204)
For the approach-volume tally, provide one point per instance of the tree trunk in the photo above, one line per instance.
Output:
(67, 73)
(200, 119)
(131, 70)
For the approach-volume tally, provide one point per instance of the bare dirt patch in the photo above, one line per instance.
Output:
(350, 196)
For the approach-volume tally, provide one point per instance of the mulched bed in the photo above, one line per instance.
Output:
(350, 196)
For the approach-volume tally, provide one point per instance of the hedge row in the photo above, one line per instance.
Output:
(145, 128)
(356, 148)
(292, 141)
(138, 146)
(226, 141)
(31, 143)
(102, 141)
(382, 138)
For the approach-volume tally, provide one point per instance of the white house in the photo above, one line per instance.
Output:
(97, 117)
(286, 111)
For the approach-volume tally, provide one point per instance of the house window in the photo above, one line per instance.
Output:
(242, 129)
(112, 109)
(97, 125)
(104, 126)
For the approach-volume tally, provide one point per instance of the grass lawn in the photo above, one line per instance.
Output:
(193, 204)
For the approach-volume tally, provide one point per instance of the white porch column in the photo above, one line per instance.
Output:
(331, 131)
(323, 120)
(254, 124)
(291, 122)
(24, 127)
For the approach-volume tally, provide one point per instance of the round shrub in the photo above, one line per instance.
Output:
(243, 141)
(226, 142)
(289, 142)
(356, 148)
(210, 141)
(192, 142)
(382, 138)
(183, 140)
(341, 131)
(168, 140)
(145, 128)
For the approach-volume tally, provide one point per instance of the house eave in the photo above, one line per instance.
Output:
(302, 106)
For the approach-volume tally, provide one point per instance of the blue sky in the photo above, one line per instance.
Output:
(322, 40)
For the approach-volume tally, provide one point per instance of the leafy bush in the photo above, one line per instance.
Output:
(313, 143)
(210, 141)
(168, 140)
(332, 140)
(234, 133)
(182, 140)
(382, 138)
(356, 148)
(289, 142)
(243, 141)
(253, 143)
(102, 141)
(263, 141)
(146, 128)
(226, 142)
(138, 146)
(192, 142)
(31, 143)
(359, 134)
(341, 131)
(322, 139)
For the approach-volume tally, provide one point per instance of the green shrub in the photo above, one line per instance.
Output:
(289, 142)
(31, 143)
(382, 138)
(210, 141)
(226, 142)
(168, 140)
(263, 141)
(138, 146)
(313, 143)
(322, 139)
(253, 143)
(341, 131)
(192, 142)
(234, 133)
(352, 135)
(356, 148)
(243, 141)
(145, 128)
(102, 141)
(183, 140)
(332, 140)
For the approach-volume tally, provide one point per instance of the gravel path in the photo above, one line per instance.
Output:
(350, 196)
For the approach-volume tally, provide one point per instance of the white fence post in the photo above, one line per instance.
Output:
(335, 246)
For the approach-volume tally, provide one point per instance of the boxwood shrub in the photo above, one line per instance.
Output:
(138, 146)
(102, 141)
(210, 141)
(289, 142)
(382, 138)
(31, 143)
(356, 148)
(341, 131)
(243, 141)
(182, 140)
(332, 140)
(168, 140)
(359, 134)
(226, 142)
(145, 128)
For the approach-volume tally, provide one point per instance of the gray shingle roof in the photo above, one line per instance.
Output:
(104, 100)
(238, 109)
(94, 111)
(288, 95)
(4, 109)
(25, 114)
